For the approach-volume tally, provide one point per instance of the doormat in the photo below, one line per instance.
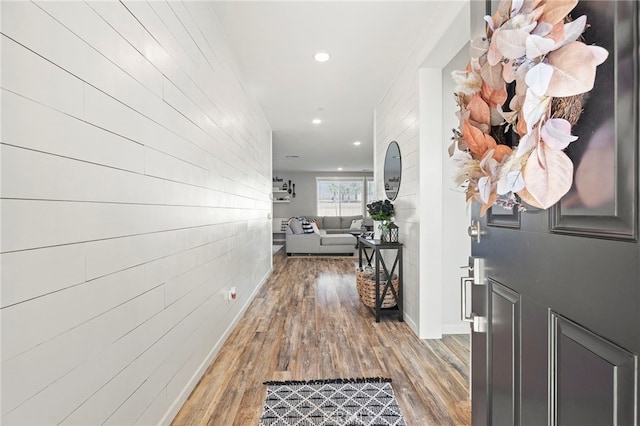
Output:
(336, 402)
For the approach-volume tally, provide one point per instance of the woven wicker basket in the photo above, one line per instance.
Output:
(366, 285)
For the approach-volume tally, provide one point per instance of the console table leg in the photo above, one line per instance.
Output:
(378, 298)
(400, 287)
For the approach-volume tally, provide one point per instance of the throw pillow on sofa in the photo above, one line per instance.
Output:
(345, 221)
(306, 227)
(356, 224)
(296, 226)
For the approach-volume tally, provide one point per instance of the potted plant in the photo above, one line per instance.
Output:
(381, 212)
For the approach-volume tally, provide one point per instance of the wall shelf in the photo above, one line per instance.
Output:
(277, 192)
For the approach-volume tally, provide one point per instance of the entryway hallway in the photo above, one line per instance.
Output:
(308, 323)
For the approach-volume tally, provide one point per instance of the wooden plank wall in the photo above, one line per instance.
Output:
(397, 118)
(135, 192)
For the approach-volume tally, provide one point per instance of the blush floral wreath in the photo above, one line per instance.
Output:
(526, 76)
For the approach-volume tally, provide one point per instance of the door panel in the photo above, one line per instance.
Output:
(594, 379)
(534, 363)
(563, 285)
(502, 217)
(601, 200)
(588, 280)
(504, 338)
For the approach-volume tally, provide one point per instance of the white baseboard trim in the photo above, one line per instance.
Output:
(173, 409)
(410, 322)
(456, 329)
(446, 329)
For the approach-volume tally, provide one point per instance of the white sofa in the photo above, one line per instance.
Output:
(339, 224)
(319, 242)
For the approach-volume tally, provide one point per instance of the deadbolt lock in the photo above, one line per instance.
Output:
(474, 230)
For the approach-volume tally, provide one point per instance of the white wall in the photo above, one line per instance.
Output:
(456, 247)
(134, 194)
(411, 114)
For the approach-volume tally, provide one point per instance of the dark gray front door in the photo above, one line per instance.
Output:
(557, 330)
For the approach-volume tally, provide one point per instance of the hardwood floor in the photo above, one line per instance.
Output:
(308, 323)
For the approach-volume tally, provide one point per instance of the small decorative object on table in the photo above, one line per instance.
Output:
(381, 211)
(392, 233)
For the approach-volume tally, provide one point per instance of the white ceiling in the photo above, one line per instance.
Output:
(369, 41)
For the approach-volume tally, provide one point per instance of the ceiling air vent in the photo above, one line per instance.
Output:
(292, 156)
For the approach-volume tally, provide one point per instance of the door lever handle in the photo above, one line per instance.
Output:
(474, 230)
(464, 316)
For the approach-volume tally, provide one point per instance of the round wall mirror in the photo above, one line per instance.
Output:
(392, 171)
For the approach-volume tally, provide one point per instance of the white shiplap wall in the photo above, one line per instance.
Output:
(134, 195)
(398, 117)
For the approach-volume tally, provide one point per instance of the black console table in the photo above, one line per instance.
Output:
(372, 250)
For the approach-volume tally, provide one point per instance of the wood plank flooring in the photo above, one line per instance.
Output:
(308, 323)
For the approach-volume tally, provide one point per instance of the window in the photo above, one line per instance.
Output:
(341, 196)
(371, 190)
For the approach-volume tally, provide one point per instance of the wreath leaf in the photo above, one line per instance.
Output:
(484, 188)
(542, 29)
(557, 32)
(512, 182)
(479, 143)
(556, 133)
(599, 54)
(534, 108)
(479, 47)
(548, 183)
(538, 46)
(574, 70)
(494, 56)
(488, 204)
(521, 127)
(556, 10)
(526, 197)
(572, 30)
(501, 151)
(479, 110)
(527, 143)
(538, 78)
(494, 97)
(516, 5)
(502, 13)
(492, 74)
(511, 43)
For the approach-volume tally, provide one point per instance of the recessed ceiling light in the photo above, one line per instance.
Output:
(316, 121)
(339, 168)
(357, 143)
(321, 56)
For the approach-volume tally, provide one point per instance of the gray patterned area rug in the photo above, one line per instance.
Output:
(337, 402)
